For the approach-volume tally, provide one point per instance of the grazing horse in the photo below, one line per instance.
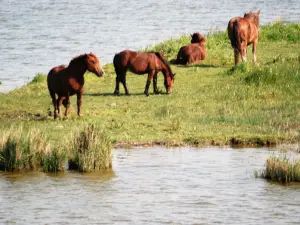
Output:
(193, 52)
(243, 32)
(142, 63)
(66, 81)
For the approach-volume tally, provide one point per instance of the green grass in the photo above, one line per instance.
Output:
(211, 103)
(280, 169)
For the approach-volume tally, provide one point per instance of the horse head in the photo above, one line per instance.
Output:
(253, 16)
(93, 64)
(198, 38)
(170, 80)
(167, 71)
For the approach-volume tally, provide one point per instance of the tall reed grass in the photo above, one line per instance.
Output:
(281, 169)
(29, 150)
(90, 150)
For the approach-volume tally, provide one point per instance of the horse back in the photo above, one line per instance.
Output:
(195, 51)
(136, 62)
(241, 31)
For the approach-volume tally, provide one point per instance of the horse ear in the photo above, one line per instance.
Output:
(258, 12)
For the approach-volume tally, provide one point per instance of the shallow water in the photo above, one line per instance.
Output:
(155, 186)
(38, 35)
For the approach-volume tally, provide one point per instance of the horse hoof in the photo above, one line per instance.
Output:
(117, 93)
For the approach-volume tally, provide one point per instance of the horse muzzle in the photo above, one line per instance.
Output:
(100, 74)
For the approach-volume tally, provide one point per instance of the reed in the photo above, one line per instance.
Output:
(90, 150)
(28, 150)
(281, 169)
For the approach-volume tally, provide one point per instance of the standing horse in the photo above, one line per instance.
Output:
(243, 32)
(193, 52)
(142, 63)
(66, 81)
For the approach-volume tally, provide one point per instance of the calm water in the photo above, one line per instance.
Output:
(37, 35)
(155, 186)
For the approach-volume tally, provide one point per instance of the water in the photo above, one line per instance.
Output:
(155, 186)
(38, 35)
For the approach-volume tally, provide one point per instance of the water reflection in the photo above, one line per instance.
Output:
(154, 186)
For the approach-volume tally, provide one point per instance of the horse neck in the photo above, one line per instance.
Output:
(77, 69)
(165, 69)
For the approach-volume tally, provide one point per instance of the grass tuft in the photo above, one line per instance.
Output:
(21, 150)
(281, 169)
(54, 160)
(39, 78)
(91, 150)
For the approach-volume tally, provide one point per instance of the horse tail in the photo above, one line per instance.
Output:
(117, 62)
(236, 43)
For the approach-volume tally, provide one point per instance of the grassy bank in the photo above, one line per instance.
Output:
(211, 103)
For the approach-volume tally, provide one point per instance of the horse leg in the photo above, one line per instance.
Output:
(117, 88)
(155, 89)
(58, 104)
(254, 51)
(123, 81)
(79, 101)
(244, 53)
(52, 94)
(236, 57)
(66, 103)
(150, 76)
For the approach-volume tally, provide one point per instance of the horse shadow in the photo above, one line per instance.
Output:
(105, 94)
(202, 65)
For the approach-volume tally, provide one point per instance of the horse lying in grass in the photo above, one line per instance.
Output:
(193, 52)
(243, 32)
(142, 63)
(65, 81)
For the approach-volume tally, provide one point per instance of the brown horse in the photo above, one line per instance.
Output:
(243, 32)
(66, 81)
(193, 52)
(142, 63)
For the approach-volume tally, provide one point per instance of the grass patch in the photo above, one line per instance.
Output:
(39, 78)
(91, 150)
(281, 169)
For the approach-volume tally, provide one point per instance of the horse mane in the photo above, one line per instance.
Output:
(166, 62)
(77, 59)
